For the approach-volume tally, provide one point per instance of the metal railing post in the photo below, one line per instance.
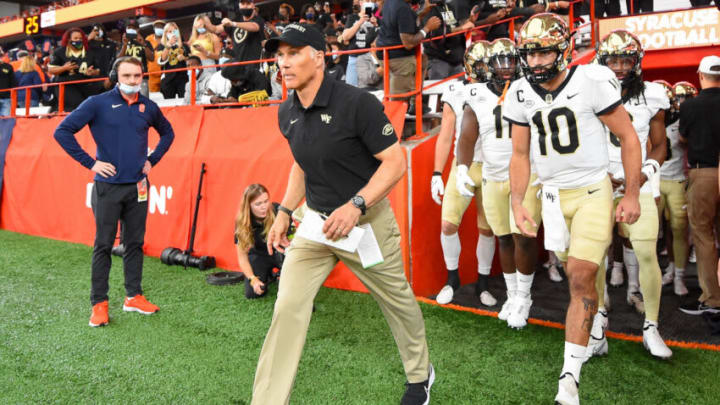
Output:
(418, 88)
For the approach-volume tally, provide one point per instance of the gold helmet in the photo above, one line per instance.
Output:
(544, 32)
(503, 61)
(476, 58)
(684, 91)
(668, 89)
(623, 44)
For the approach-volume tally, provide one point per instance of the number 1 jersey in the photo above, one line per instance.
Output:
(568, 142)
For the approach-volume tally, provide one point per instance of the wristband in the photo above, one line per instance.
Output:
(423, 33)
(437, 173)
(285, 210)
(648, 171)
(654, 163)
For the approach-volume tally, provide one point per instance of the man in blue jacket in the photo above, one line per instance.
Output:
(119, 120)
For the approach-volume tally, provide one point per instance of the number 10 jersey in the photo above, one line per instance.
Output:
(568, 142)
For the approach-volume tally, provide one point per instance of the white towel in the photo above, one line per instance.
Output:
(557, 235)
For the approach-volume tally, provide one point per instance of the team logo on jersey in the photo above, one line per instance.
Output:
(325, 118)
(241, 35)
(388, 130)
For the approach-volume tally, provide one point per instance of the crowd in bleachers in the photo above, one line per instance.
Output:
(86, 53)
(56, 5)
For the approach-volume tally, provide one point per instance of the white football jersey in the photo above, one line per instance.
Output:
(567, 139)
(455, 98)
(641, 110)
(494, 132)
(672, 168)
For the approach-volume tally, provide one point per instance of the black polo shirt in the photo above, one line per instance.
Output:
(334, 141)
(700, 126)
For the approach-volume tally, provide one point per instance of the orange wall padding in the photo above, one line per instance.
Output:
(45, 191)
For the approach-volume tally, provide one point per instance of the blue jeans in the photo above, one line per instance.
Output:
(351, 75)
(4, 107)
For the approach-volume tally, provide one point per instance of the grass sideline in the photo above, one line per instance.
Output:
(202, 347)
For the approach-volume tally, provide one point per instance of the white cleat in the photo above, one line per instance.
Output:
(668, 276)
(654, 343)
(520, 312)
(554, 274)
(507, 307)
(679, 286)
(635, 300)
(616, 276)
(567, 391)
(598, 344)
(487, 299)
(606, 298)
(445, 295)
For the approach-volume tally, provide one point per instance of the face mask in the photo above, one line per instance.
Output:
(130, 34)
(223, 61)
(77, 44)
(128, 89)
(310, 17)
(158, 32)
(177, 34)
(100, 34)
(246, 12)
(201, 30)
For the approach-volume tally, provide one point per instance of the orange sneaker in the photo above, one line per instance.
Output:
(99, 315)
(138, 303)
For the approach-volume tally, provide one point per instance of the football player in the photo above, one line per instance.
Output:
(673, 183)
(454, 204)
(483, 125)
(557, 115)
(645, 102)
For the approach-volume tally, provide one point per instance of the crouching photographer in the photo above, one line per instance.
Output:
(254, 219)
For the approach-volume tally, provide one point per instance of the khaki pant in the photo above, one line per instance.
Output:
(703, 210)
(455, 204)
(402, 74)
(306, 267)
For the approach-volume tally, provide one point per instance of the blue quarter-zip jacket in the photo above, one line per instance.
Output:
(120, 131)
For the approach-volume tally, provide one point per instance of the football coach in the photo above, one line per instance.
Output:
(119, 120)
(346, 161)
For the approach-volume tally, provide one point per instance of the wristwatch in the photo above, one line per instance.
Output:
(359, 203)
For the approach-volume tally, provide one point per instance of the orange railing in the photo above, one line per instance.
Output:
(417, 93)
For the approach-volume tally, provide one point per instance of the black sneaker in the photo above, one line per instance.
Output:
(419, 393)
(699, 308)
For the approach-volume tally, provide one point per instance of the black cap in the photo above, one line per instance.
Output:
(298, 34)
(235, 72)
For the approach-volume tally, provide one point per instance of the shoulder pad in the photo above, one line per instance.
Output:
(598, 73)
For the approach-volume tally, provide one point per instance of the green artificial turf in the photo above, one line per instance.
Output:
(202, 347)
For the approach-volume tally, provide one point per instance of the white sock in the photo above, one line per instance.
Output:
(451, 250)
(485, 252)
(574, 356)
(617, 265)
(607, 262)
(524, 283)
(648, 322)
(670, 267)
(511, 281)
(632, 266)
(679, 273)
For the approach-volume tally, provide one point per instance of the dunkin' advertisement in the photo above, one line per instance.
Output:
(668, 30)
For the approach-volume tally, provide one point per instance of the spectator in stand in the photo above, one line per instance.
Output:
(285, 11)
(308, 15)
(641, 6)
(333, 68)
(609, 8)
(204, 43)
(154, 40)
(103, 47)
(26, 75)
(217, 85)
(172, 54)
(133, 44)
(361, 31)
(398, 27)
(246, 35)
(699, 123)
(445, 55)
(326, 18)
(7, 81)
(202, 78)
(370, 71)
(495, 10)
(243, 80)
(74, 60)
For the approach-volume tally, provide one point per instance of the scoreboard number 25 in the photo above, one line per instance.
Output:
(32, 25)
